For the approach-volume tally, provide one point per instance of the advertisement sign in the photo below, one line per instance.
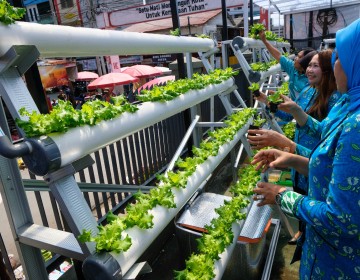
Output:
(53, 76)
(160, 10)
(163, 58)
(134, 59)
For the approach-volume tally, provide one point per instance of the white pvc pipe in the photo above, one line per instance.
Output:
(141, 239)
(220, 265)
(271, 71)
(91, 138)
(253, 43)
(67, 41)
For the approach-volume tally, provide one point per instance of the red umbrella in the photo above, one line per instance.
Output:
(157, 81)
(142, 71)
(86, 76)
(111, 80)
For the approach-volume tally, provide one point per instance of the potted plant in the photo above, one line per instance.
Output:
(255, 89)
(257, 123)
(255, 30)
(271, 36)
(275, 99)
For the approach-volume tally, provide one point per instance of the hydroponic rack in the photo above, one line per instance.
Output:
(52, 156)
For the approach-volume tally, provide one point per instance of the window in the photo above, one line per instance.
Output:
(67, 4)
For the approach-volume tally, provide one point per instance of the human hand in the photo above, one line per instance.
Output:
(288, 106)
(261, 98)
(266, 192)
(272, 158)
(262, 35)
(260, 138)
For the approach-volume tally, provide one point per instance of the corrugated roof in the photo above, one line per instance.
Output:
(297, 6)
(161, 24)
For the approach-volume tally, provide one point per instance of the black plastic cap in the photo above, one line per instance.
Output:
(101, 266)
(254, 76)
(45, 156)
(238, 41)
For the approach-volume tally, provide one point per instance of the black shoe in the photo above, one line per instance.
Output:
(292, 241)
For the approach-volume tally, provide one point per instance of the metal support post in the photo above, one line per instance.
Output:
(272, 250)
(72, 204)
(18, 209)
(182, 144)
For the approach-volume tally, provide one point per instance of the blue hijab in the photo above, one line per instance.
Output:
(347, 45)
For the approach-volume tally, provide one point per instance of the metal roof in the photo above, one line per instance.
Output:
(297, 6)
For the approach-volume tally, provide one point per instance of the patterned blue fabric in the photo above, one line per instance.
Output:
(319, 129)
(296, 81)
(305, 100)
(332, 207)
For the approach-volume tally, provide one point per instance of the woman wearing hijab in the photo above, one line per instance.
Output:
(331, 209)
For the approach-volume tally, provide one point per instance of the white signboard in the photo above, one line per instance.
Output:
(162, 10)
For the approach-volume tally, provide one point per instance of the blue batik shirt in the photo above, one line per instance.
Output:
(305, 100)
(318, 129)
(331, 209)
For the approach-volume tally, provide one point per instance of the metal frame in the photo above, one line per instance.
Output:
(63, 186)
(30, 237)
(17, 207)
(272, 250)
(298, 6)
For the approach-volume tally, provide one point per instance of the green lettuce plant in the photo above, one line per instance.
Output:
(259, 121)
(64, 116)
(275, 98)
(8, 13)
(289, 130)
(269, 35)
(175, 32)
(175, 88)
(255, 89)
(112, 237)
(262, 66)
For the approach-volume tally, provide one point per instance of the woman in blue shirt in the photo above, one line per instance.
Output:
(316, 100)
(295, 71)
(331, 210)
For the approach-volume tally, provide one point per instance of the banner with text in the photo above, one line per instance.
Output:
(162, 10)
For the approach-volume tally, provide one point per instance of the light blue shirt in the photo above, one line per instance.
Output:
(296, 81)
